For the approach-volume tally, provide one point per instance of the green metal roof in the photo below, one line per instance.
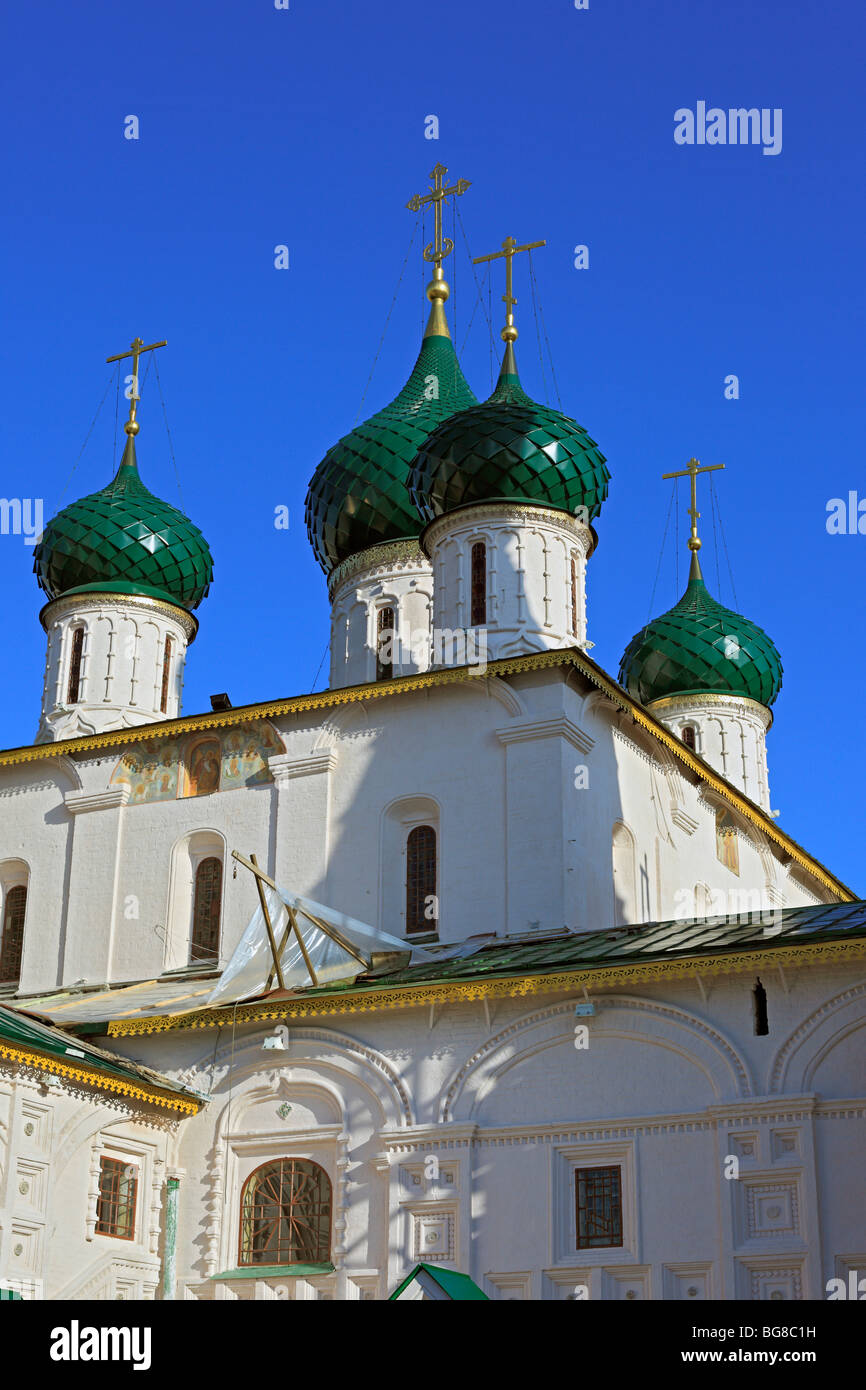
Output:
(358, 495)
(699, 647)
(510, 449)
(20, 1031)
(456, 1285)
(124, 540)
(653, 941)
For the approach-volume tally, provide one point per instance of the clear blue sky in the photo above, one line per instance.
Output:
(306, 127)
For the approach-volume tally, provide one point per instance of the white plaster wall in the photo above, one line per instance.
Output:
(399, 577)
(121, 664)
(529, 553)
(522, 846)
(730, 735)
(673, 1083)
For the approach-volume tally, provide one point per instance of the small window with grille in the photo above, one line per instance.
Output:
(384, 644)
(286, 1214)
(421, 906)
(115, 1205)
(688, 736)
(166, 672)
(206, 911)
(12, 939)
(598, 1202)
(479, 585)
(73, 689)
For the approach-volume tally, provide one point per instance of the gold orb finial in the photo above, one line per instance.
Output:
(438, 289)
(509, 334)
(694, 542)
(132, 427)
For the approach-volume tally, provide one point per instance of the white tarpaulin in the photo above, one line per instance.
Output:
(249, 969)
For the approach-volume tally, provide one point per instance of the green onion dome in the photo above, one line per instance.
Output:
(700, 647)
(358, 495)
(124, 540)
(509, 449)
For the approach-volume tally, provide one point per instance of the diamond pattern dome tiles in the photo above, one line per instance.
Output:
(124, 540)
(509, 449)
(699, 646)
(358, 495)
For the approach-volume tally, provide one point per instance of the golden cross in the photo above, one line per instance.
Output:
(692, 469)
(509, 250)
(136, 348)
(439, 247)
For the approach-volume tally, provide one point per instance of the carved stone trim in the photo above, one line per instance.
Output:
(557, 726)
(487, 512)
(284, 767)
(79, 603)
(734, 704)
(392, 555)
(76, 802)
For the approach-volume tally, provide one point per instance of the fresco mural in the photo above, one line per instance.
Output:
(162, 770)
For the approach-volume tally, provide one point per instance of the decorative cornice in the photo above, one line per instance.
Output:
(566, 658)
(481, 513)
(76, 802)
(284, 767)
(558, 726)
(510, 987)
(735, 704)
(385, 558)
(89, 1076)
(82, 603)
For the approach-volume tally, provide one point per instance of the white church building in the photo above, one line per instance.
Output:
(608, 1036)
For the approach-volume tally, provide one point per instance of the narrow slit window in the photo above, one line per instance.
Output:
(12, 942)
(115, 1205)
(574, 595)
(73, 689)
(384, 644)
(206, 911)
(421, 904)
(759, 998)
(688, 736)
(166, 672)
(479, 585)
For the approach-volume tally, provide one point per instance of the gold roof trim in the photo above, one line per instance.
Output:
(404, 685)
(92, 1076)
(509, 987)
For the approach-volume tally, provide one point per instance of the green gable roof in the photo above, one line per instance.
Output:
(510, 449)
(455, 1285)
(124, 540)
(697, 647)
(358, 495)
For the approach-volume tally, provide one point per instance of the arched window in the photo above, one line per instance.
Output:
(384, 644)
(479, 585)
(421, 905)
(73, 689)
(166, 671)
(574, 595)
(12, 941)
(759, 1004)
(286, 1214)
(688, 736)
(206, 911)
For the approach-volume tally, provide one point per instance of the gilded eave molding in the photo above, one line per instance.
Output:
(566, 658)
(510, 987)
(91, 1076)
